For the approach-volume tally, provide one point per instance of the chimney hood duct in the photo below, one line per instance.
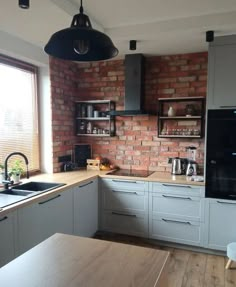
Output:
(134, 74)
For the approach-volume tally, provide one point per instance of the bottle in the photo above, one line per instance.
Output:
(89, 128)
(89, 111)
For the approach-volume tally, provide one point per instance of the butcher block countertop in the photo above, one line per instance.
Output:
(66, 260)
(75, 178)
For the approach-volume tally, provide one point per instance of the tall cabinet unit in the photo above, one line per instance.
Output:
(222, 73)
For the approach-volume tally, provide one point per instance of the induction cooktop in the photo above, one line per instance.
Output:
(128, 172)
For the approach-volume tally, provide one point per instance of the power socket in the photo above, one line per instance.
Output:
(169, 160)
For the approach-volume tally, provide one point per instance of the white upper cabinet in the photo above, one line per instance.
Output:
(222, 73)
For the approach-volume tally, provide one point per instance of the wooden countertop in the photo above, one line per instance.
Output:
(74, 178)
(66, 260)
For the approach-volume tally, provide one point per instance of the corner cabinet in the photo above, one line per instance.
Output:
(124, 206)
(86, 208)
(181, 117)
(93, 118)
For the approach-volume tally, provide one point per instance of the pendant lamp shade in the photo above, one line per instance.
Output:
(81, 42)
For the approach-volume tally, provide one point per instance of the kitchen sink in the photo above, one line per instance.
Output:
(36, 186)
(25, 191)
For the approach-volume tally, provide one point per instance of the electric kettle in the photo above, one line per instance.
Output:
(176, 166)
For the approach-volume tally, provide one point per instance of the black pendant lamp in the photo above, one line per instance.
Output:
(81, 42)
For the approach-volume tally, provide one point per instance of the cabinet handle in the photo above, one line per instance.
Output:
(123, 214)
(124, 181)
(130, 192)
(177, 197)
(83, 185)
(223, 202)
(227, 106)
(4, 218)
(176, 221)
(173, 185)
(50, 199)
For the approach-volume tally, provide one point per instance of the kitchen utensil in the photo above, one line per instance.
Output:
(192, 165)
(191, 168)
(176, 166)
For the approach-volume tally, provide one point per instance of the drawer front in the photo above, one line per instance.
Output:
(130, 185)
(178, 189)
(180, 231)
(117, 199)
(187, 206)
(125, 223)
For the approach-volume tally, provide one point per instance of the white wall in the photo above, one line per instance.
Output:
(19, 49)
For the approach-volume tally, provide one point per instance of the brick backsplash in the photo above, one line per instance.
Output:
(136, 144)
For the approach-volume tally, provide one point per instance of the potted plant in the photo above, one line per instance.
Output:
(16, 171)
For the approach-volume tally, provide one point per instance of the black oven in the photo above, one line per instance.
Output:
(221, 154)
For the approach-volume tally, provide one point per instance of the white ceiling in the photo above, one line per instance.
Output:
(161, 27)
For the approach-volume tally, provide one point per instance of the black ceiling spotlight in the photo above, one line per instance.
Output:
(132, 44)
(81, 42)
(24, 4)
(209, 36)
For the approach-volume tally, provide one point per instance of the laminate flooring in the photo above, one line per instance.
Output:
(186, 268)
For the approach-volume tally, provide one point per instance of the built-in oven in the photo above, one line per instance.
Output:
(221, 154)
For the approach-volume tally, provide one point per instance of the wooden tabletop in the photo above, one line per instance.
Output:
(69, 261)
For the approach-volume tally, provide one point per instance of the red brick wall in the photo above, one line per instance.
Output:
(136, 144)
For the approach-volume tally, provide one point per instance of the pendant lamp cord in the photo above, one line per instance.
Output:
(81, 7)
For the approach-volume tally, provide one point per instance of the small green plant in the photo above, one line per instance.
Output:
(16, 168)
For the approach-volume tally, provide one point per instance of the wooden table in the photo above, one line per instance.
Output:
(68, 261)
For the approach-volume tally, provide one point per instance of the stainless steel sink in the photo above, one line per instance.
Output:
(24, 191)
(37, 186)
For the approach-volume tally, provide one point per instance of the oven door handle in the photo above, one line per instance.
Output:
(224, 202)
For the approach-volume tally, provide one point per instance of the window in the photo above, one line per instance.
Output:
(19, 111)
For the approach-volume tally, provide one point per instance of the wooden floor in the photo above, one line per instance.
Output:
(186, 268)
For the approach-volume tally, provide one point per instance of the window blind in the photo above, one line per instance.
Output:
(19, 111)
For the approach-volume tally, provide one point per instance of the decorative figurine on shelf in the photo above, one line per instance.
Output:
(171, 112)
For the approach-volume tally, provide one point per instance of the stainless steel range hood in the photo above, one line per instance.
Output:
(134, 88)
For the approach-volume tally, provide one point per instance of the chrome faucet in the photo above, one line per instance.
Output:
(6, 180)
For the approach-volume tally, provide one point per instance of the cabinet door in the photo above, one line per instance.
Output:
(220, 228)
(7, 252)
(222, 79)
(86, 208)
(40, 220)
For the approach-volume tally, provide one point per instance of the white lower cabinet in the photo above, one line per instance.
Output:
(40, 220)
(124, 206)
(176, 213)
(7, 236)
(220, 226)
(86, 208)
